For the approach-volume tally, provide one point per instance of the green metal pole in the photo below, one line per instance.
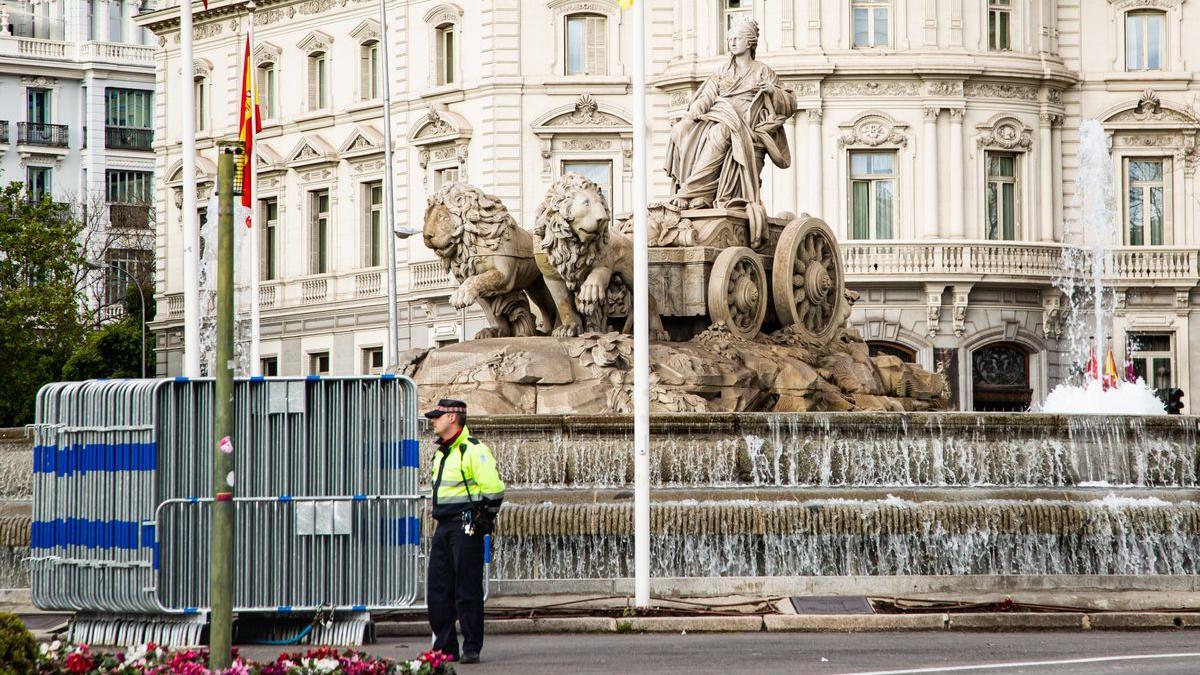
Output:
(220, 571)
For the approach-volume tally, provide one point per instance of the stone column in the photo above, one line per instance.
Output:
(787, 197)
(1056, 190)
(958, 226)
(1046, 176)
(816, 204)
(100, 20)
(929, 159)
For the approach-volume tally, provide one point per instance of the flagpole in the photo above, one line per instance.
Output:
(392, 353)
(191, 253)
(641, 318)
(251, 189)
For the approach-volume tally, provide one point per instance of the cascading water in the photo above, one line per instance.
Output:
(1083, 286)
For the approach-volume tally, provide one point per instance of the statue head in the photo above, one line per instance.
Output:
(573, 224)
(459, 219)
(742, 37)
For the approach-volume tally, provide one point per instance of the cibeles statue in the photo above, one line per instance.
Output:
(716, 152)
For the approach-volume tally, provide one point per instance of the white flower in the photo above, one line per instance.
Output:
(326, 665)
(414, 665)
(55, 646)
(42, 648)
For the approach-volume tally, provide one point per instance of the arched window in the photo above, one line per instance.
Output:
(368, 68)
(880, 347)
(587, 44)
(266, 90)
(318, 81)
(1000, 378)
(444, 37)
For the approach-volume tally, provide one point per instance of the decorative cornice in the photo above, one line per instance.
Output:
(873, 129)
(266, 52)
(847, 88)
(1000, 90)
(315, 41)
(442, 14)
(1125, 5)
(366, 31)
(1005, 133)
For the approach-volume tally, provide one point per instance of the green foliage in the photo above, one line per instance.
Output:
(110, 352)
(40, 324)
(18, 649)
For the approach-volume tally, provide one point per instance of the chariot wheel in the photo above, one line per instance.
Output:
(808, 283)
(737, 291)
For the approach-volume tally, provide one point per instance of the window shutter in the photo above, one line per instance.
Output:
(597, 46)
(314, 234)
(364, 249)
(440, 64)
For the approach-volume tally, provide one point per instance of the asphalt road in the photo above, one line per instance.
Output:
(1072, 653)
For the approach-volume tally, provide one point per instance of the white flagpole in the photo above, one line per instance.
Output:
(392, 352)
(255, 330)
(641, 320)
(191, 244)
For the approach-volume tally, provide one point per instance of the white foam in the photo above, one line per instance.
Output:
(1127, 398)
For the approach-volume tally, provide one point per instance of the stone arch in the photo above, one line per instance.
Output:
(1036, 363)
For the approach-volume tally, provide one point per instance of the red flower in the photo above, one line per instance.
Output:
(79, 662)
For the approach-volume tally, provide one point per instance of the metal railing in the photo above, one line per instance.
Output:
(34, 133)
(4, 131)
(128, 138)
(128, 216)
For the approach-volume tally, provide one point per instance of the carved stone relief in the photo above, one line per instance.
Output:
(873, 130)
(1001, 90)
(1007, 133)
(872, 88)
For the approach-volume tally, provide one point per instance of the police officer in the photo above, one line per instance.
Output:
(467, 492)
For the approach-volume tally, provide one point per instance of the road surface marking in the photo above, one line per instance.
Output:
(1028, 664)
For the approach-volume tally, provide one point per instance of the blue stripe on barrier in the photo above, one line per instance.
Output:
(181, 379)
(387, 376)
(360, 498)
(257, 378)
(487, 549)
(403, 532)
(410, 453)
(285, 498)
(83, 458)
(313, 378)
(101, 534)
(358, 608)
(156, 555)
(190, 610)
(284, 609)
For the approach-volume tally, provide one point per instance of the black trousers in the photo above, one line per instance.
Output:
(454, 587)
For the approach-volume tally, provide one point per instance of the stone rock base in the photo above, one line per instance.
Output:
(713, 372)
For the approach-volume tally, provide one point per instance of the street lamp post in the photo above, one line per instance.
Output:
(96, 265)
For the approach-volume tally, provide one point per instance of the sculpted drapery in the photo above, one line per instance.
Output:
(716, 152)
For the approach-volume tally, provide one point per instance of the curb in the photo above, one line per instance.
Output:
(691, 624)
(854, 623)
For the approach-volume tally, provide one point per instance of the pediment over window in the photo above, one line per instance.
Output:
(268, 161)
(366, 31)
(316, 41)
(266, 52)
(1123, 5)
(440, 125)
(364, 140)
(1005, 132)
(873, 128)
(1148, 111)
(447, 12)
(586, 114)
(311, 149)
(206, 169)
(202, 67)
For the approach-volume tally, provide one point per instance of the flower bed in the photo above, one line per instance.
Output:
(56, 658)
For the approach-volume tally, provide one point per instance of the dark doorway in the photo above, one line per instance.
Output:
(1000, 378)
(897, 350)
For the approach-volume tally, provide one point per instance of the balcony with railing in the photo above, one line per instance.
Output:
(117, 52)
(430, 276)
(47, 135)
(1019, 263)
(128, 216)
(4, 132)
(128, 138)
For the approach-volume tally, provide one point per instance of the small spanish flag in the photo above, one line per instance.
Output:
(249, 122)
(1110, 370)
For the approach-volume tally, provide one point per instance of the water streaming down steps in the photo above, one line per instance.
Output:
(971, 506)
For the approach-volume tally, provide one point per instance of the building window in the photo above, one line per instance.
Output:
(1001, 378)
(882, 347)
(1001, 196)
(1144, 37)
(266, 90)
(870, 19)
(599, 172)
(37, 182)
(135, 263)
(116, 22)
(587, 44)
(1151, 355)
(127, 194)
(318, 363)
(372, 224)
(443, 176)
(318, 81)
(733, 12)
(269, 256)
(128, 108)
(201, 103)
(269, 366)
(1145, 200)
(999, 20)
(872, 194)
(37, 106)
(368, 56)
(318, 232)
(372, 361)
(444, 36)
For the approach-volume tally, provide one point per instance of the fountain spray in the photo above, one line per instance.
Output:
(1093, 186)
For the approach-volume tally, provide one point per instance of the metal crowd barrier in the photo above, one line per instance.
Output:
(328, 513)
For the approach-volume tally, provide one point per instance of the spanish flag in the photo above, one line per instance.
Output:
(250, 123)
(1110, 370)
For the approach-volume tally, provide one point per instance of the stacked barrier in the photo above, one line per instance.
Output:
(327, 505)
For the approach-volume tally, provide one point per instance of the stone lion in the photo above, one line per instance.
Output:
(579, 253)
(480, 243)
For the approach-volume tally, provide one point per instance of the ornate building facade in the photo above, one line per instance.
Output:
(938, 139)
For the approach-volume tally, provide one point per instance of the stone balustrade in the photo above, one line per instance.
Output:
(430, 275)
(117, 52)
(1013, 262)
